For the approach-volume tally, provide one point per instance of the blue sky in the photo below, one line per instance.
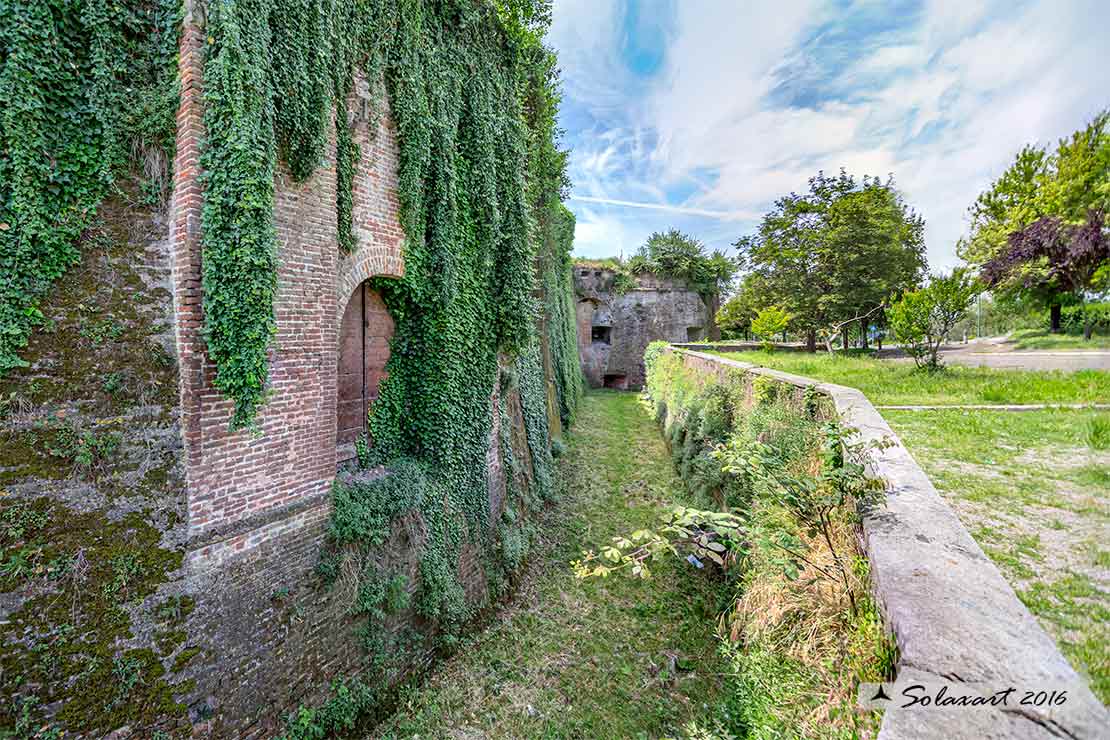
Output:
(697, 114)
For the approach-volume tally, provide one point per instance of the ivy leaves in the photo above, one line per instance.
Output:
(303, 88)
(66, 69)
(240, 256)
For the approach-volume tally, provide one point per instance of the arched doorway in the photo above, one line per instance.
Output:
(364, 335)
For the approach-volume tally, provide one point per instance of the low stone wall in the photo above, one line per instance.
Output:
(954, 617)
(738, 346)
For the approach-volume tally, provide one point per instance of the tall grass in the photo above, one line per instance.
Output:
(1096, 432)
(796, 648)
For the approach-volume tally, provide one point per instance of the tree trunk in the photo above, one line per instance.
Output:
(1088, 327)
(714, 331)
(811, 340)
(1054, 313)
(784, 336)
(844, 337)
(863, 333)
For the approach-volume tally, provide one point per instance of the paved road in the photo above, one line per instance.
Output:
(1032, 360)
(998, 352)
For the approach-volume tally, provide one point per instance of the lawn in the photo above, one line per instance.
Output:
(1029, 339)
(1032, 487)
(615, 657)
(899, 383)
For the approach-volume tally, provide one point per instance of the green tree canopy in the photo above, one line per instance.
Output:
(736, 315)
(1066, 185)
(769, 323)
(837, 251)
(922, 319)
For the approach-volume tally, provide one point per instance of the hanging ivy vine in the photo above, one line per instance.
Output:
(239, 239)
(73, 76)
(473, 93)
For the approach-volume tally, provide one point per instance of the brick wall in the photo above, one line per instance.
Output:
(258, 502)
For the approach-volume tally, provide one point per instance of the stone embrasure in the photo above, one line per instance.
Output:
(953, 615)
(614, 328)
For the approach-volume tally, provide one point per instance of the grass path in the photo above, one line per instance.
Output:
(586, 659)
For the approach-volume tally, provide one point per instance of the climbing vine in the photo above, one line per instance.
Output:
(240, 253)
(83, 83)
(559, 313)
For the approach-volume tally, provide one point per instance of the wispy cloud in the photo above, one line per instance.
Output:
(728, 215)
(700, 114)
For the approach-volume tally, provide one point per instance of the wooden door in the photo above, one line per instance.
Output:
(364, 335)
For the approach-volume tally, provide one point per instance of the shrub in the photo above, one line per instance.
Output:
(922, 319)
(769, 323)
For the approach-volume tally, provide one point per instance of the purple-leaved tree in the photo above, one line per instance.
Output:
(1076, 257)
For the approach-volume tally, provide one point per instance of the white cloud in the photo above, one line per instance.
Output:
(943, 102)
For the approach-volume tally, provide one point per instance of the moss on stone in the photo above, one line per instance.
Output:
(62, 643)
(184, 657)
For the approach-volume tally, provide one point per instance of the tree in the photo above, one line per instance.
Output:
(735, 316)
(769, 323)
(837, 251)
(678, 255)
(921, 319)
(1067, 259)
(1065, 185)
(877, 246)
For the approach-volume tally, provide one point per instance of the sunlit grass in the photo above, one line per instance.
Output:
(886, 382)
(1036, 496)
(604, 658)
(1033, 339)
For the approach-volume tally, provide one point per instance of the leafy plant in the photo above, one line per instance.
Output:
(1097, 433)
(769, 323)
(65, 133)
(921, 319)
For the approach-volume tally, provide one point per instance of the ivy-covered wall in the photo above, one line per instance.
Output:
(316, 144)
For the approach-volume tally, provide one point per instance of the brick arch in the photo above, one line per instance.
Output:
(356, 269)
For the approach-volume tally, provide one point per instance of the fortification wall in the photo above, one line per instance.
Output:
(615, 327)
(170, 562)
(956, 621)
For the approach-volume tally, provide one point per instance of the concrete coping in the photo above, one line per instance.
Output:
(954, 618)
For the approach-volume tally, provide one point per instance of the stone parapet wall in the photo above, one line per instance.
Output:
(952, 614)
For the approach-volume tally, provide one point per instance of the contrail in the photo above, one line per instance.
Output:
(663, 207)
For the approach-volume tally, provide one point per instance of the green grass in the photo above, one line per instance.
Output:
(1030, 339)
(899, 383)
(607, 658)
(1033, 487)
(1034, 492)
